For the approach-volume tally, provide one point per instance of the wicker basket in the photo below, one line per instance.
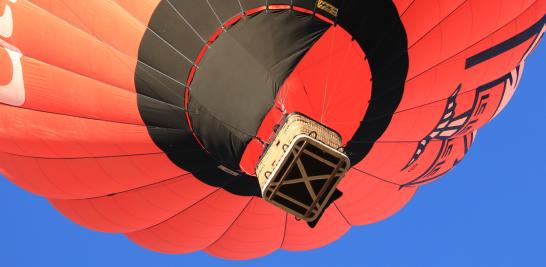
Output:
(301, 168)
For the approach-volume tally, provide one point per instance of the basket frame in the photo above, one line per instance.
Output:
(271, 188)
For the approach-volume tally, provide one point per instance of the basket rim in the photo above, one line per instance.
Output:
(280, 126)
(311, 119)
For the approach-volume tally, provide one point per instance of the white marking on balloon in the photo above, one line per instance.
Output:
(6, 21)
(12, 93)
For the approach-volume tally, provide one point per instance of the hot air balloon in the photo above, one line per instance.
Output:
(158, 118)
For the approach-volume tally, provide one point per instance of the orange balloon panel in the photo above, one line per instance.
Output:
(148, 117)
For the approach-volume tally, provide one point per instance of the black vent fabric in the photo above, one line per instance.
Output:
(240, 74)
(231, 93)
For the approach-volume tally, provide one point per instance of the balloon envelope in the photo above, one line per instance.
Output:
(148, 117)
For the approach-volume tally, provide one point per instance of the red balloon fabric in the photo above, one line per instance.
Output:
(108, 109)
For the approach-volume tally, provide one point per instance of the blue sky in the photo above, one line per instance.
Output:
(489, 211)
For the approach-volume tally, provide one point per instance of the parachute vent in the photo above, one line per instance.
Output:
(301, 168)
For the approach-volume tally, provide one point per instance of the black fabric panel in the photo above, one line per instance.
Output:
(226, 9)
(162, 113)
(240, 75)
(175, 36)
(157, 85)
(250, 4)
(376, 26)
(197, 15)
(174, 139)
(166, 54)
(181, 148)
(307, 4)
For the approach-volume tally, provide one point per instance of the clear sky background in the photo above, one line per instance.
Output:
(489, 211)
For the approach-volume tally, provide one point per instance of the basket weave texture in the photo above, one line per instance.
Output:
(295, 125)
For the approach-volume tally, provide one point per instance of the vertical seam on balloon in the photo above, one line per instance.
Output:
(413, 108)
(53, 184)
(376, 177)
(231, 224)
(407, 8)
(328, 72)
(384, 67)
(223, 123)
(347, 49)
(216, 15)
(73, 176)
(32, 181)
(439, 23)
(111, 48)
(297, 72)
(284, 230)
(94, 38)
(409, 79)
(193, 70)
(182, 211)
(241, 6)
(527, 10)
(113, 224)
(187, 22)
(98, 81)
(90, 33)
(343, 215)
(151, 231)
(473, 44)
